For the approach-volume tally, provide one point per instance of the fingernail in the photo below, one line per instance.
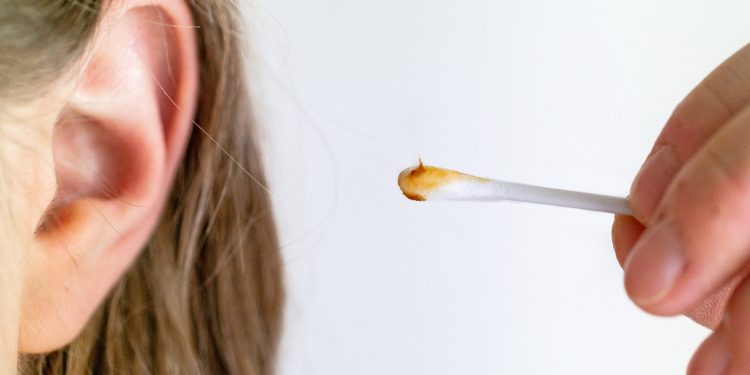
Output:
(656, 261)
(652, 181)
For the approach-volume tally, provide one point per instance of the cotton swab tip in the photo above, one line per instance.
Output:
(421, 183)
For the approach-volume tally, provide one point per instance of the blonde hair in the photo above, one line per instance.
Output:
(205, 296)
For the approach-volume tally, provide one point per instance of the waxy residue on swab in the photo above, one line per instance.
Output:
(423, 182)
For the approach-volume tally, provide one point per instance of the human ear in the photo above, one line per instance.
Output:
(116, 146)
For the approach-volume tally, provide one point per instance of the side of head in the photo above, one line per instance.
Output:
(152, 251)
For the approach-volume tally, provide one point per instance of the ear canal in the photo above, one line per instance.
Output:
(91, 161)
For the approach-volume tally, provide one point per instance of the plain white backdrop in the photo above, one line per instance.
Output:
(568, 94)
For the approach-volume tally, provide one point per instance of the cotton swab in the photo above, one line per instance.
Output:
(427, 183)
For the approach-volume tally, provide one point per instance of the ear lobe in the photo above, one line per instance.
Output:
(116, 147)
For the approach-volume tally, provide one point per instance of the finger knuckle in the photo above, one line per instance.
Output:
(727, 172)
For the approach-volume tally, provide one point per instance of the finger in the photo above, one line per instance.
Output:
(736, 325)
(625, 232)
(712, 357)
(699, 238)
(711, 104)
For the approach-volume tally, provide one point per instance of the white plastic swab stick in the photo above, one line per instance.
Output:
(426, 183)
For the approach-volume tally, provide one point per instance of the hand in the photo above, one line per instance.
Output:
(687, 248)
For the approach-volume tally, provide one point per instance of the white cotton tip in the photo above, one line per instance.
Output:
(422, 183)
(426, 183)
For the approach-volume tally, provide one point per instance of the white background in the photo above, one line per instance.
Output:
(568, 94)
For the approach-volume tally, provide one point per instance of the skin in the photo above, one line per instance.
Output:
(89, 166)
(687, 248)
(18, 215)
